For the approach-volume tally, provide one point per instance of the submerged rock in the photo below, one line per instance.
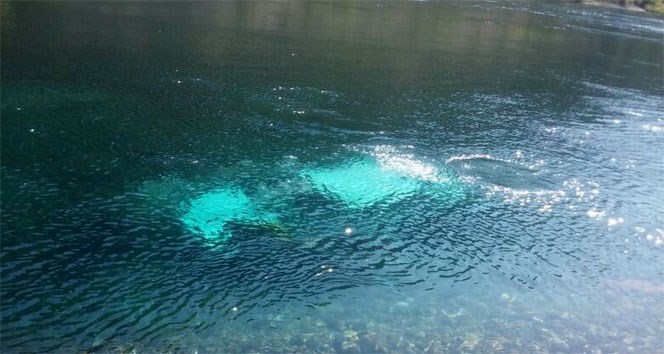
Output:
(470, 342)
(434, 346)
(297, 341)
(314, 343)
(369, 343)
(554, 341)
(350, 343)
(497, 344)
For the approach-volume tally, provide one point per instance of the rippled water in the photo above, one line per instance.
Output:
(321, 177)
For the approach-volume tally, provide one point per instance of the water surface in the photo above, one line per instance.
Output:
(524, 215)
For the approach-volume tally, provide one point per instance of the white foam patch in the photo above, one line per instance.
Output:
(470, 157)
(406, 164)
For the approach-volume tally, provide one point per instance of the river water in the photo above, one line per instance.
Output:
(331, 177)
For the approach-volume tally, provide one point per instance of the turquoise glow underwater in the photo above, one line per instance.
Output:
(208, 214)
(357, 183)
(363, 183)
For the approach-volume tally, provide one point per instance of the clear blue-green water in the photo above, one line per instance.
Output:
(331, 177)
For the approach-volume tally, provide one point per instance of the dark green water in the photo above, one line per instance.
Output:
(547, 118)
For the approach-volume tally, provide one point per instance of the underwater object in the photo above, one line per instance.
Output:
(209, 214)
(380, 177)
(361, 183)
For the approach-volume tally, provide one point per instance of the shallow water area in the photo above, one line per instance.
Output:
(209, 213)
(331, 177)
(384, 177)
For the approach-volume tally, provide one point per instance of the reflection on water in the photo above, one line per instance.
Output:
(331, 177)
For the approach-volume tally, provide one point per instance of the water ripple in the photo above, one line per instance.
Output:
(532, 207)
